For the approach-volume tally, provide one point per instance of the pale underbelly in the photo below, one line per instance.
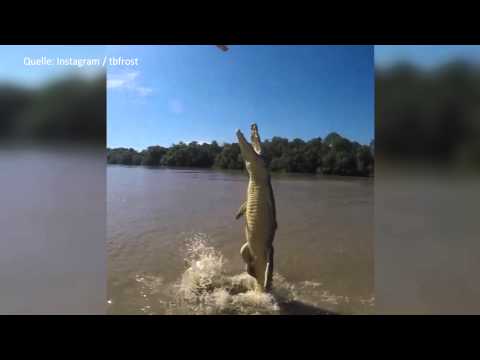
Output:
(259, 216)
(259, 226)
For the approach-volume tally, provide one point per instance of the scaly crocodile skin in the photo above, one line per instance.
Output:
(260, 218)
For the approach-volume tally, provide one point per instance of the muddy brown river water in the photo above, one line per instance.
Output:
(173, 244)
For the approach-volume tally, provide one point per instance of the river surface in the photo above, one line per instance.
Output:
(173, 244)
(52, 230)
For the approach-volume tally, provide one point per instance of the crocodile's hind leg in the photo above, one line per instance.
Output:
(248, 258)
(269, 270)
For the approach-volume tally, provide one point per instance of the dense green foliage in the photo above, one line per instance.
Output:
(428, 114)
(333, 155)
(69, 109)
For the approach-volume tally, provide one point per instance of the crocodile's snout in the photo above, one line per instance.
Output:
(240, 136)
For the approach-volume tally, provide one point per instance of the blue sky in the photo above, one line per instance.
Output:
(426, 56)
(199, 93)
(186, 93)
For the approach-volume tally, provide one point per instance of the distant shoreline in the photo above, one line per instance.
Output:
(333, 155)
(242, 171)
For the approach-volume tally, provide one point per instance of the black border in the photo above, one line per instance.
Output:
(349, 25)
(239, 336)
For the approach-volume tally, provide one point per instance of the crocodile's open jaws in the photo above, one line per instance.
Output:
(259, 211)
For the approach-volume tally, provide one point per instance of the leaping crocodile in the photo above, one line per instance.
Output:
(259, 211)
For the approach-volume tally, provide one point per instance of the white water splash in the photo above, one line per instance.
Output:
(205, 287)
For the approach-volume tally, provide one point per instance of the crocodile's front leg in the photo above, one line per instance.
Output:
(241, 211)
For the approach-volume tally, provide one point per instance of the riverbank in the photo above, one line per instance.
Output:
(333, 155)
(243, 171)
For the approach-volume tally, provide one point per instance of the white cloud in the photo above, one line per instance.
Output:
(144, 91)
(200, 142)
(128, 81)
(114, 83)
(130, 76)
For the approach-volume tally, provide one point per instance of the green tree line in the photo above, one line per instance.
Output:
(333, 155)
(67, 109)
(428, 114)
